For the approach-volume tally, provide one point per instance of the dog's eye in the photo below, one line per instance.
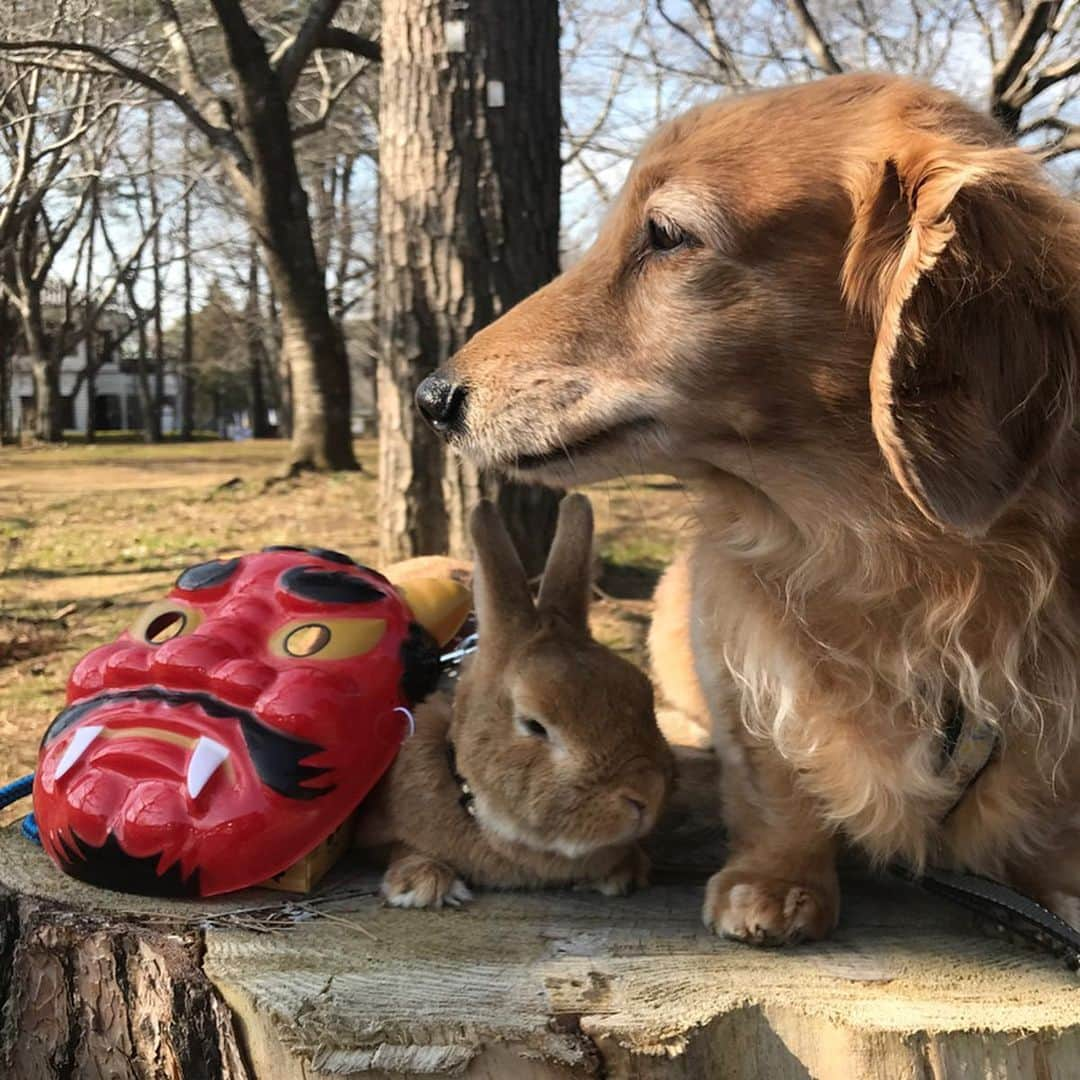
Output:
(531, 726)
(664, 236)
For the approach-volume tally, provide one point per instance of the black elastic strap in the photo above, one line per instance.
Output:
(1016, 912)
(951, 731)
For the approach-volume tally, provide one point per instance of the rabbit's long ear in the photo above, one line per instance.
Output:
(503, 600)
(567, 578)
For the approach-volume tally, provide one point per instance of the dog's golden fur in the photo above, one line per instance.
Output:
(848, 314)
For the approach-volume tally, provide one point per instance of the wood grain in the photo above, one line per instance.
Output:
(541, 985)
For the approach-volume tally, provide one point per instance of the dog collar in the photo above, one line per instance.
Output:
(467, 801)
(969, 747)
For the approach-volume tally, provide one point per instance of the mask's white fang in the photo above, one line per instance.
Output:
(80, 741)
(205, 760)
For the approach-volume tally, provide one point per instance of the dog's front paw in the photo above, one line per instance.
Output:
(416, 881)
(769, 911)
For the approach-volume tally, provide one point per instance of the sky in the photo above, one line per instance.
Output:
(625, 71)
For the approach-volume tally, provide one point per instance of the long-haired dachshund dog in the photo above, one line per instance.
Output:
(847, 313)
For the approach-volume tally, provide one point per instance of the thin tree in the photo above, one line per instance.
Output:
(469, 224)
(256, 349)
(186, 367)
(57, 133)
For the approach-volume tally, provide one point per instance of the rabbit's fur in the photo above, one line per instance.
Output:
(553, 734)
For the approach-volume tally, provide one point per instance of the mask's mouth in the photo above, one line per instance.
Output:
(190, 735)
(109, 866)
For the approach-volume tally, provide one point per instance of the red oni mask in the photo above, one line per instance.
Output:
(236, 724)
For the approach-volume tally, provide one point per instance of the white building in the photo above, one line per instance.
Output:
(116, 395)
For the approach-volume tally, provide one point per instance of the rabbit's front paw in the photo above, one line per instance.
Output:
(630, 874)
(416, 881)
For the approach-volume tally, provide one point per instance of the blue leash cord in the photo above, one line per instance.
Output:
(13, 792)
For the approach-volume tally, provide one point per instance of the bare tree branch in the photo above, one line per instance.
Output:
(1069, 143)
(815, 42)
(191, 80)
(335, 37)
(1067, 140)
(247, 52)
(328, 99)
(579, 142)
(318, 20)
(1022, 45)
(723, 60)
(109, 64)
(1047, 78)
(1012, 11)
(720, 48)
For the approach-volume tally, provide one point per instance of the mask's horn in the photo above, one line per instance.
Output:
(440, 605)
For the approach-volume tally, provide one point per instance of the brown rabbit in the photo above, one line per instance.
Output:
(548, 767)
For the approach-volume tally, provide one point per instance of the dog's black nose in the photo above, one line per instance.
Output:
(441, 402)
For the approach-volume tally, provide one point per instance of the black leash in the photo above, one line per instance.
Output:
(968, 749)
(466, 800)
(1005, 908)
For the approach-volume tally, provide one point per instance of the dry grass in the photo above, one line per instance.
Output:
(90, 534)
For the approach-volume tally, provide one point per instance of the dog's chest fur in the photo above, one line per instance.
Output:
(819, 682)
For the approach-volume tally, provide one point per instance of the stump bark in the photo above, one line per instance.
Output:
(532, 986)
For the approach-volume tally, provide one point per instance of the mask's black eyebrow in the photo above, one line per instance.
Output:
(207, 575)
(329, 586)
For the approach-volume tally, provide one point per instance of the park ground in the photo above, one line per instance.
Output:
(89, 534)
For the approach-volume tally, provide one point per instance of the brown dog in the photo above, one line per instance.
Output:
(848, 314)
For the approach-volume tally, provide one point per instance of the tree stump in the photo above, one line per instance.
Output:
(532, 986)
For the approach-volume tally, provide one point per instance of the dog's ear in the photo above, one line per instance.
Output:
(965, 260)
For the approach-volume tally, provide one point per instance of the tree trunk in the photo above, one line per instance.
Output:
(280, 365)
(89, 335)
(260, 427)
(47, 402)
(469, 225)
(7, 333)
(91, 402)
(278, 208)
(312, 347)
(142, 379)
(7, 435)
(46, 376)
(186, 372)
(153, 418)
(94, 994)
(343, 230)
(186, 376)
(5, 393)
(318, 376)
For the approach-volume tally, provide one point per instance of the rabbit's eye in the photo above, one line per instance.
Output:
(533, 727)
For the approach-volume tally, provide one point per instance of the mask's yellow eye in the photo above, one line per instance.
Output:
(165, 620)
(327, 639)
(307, 640)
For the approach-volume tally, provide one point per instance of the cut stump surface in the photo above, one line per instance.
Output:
(557, 984)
